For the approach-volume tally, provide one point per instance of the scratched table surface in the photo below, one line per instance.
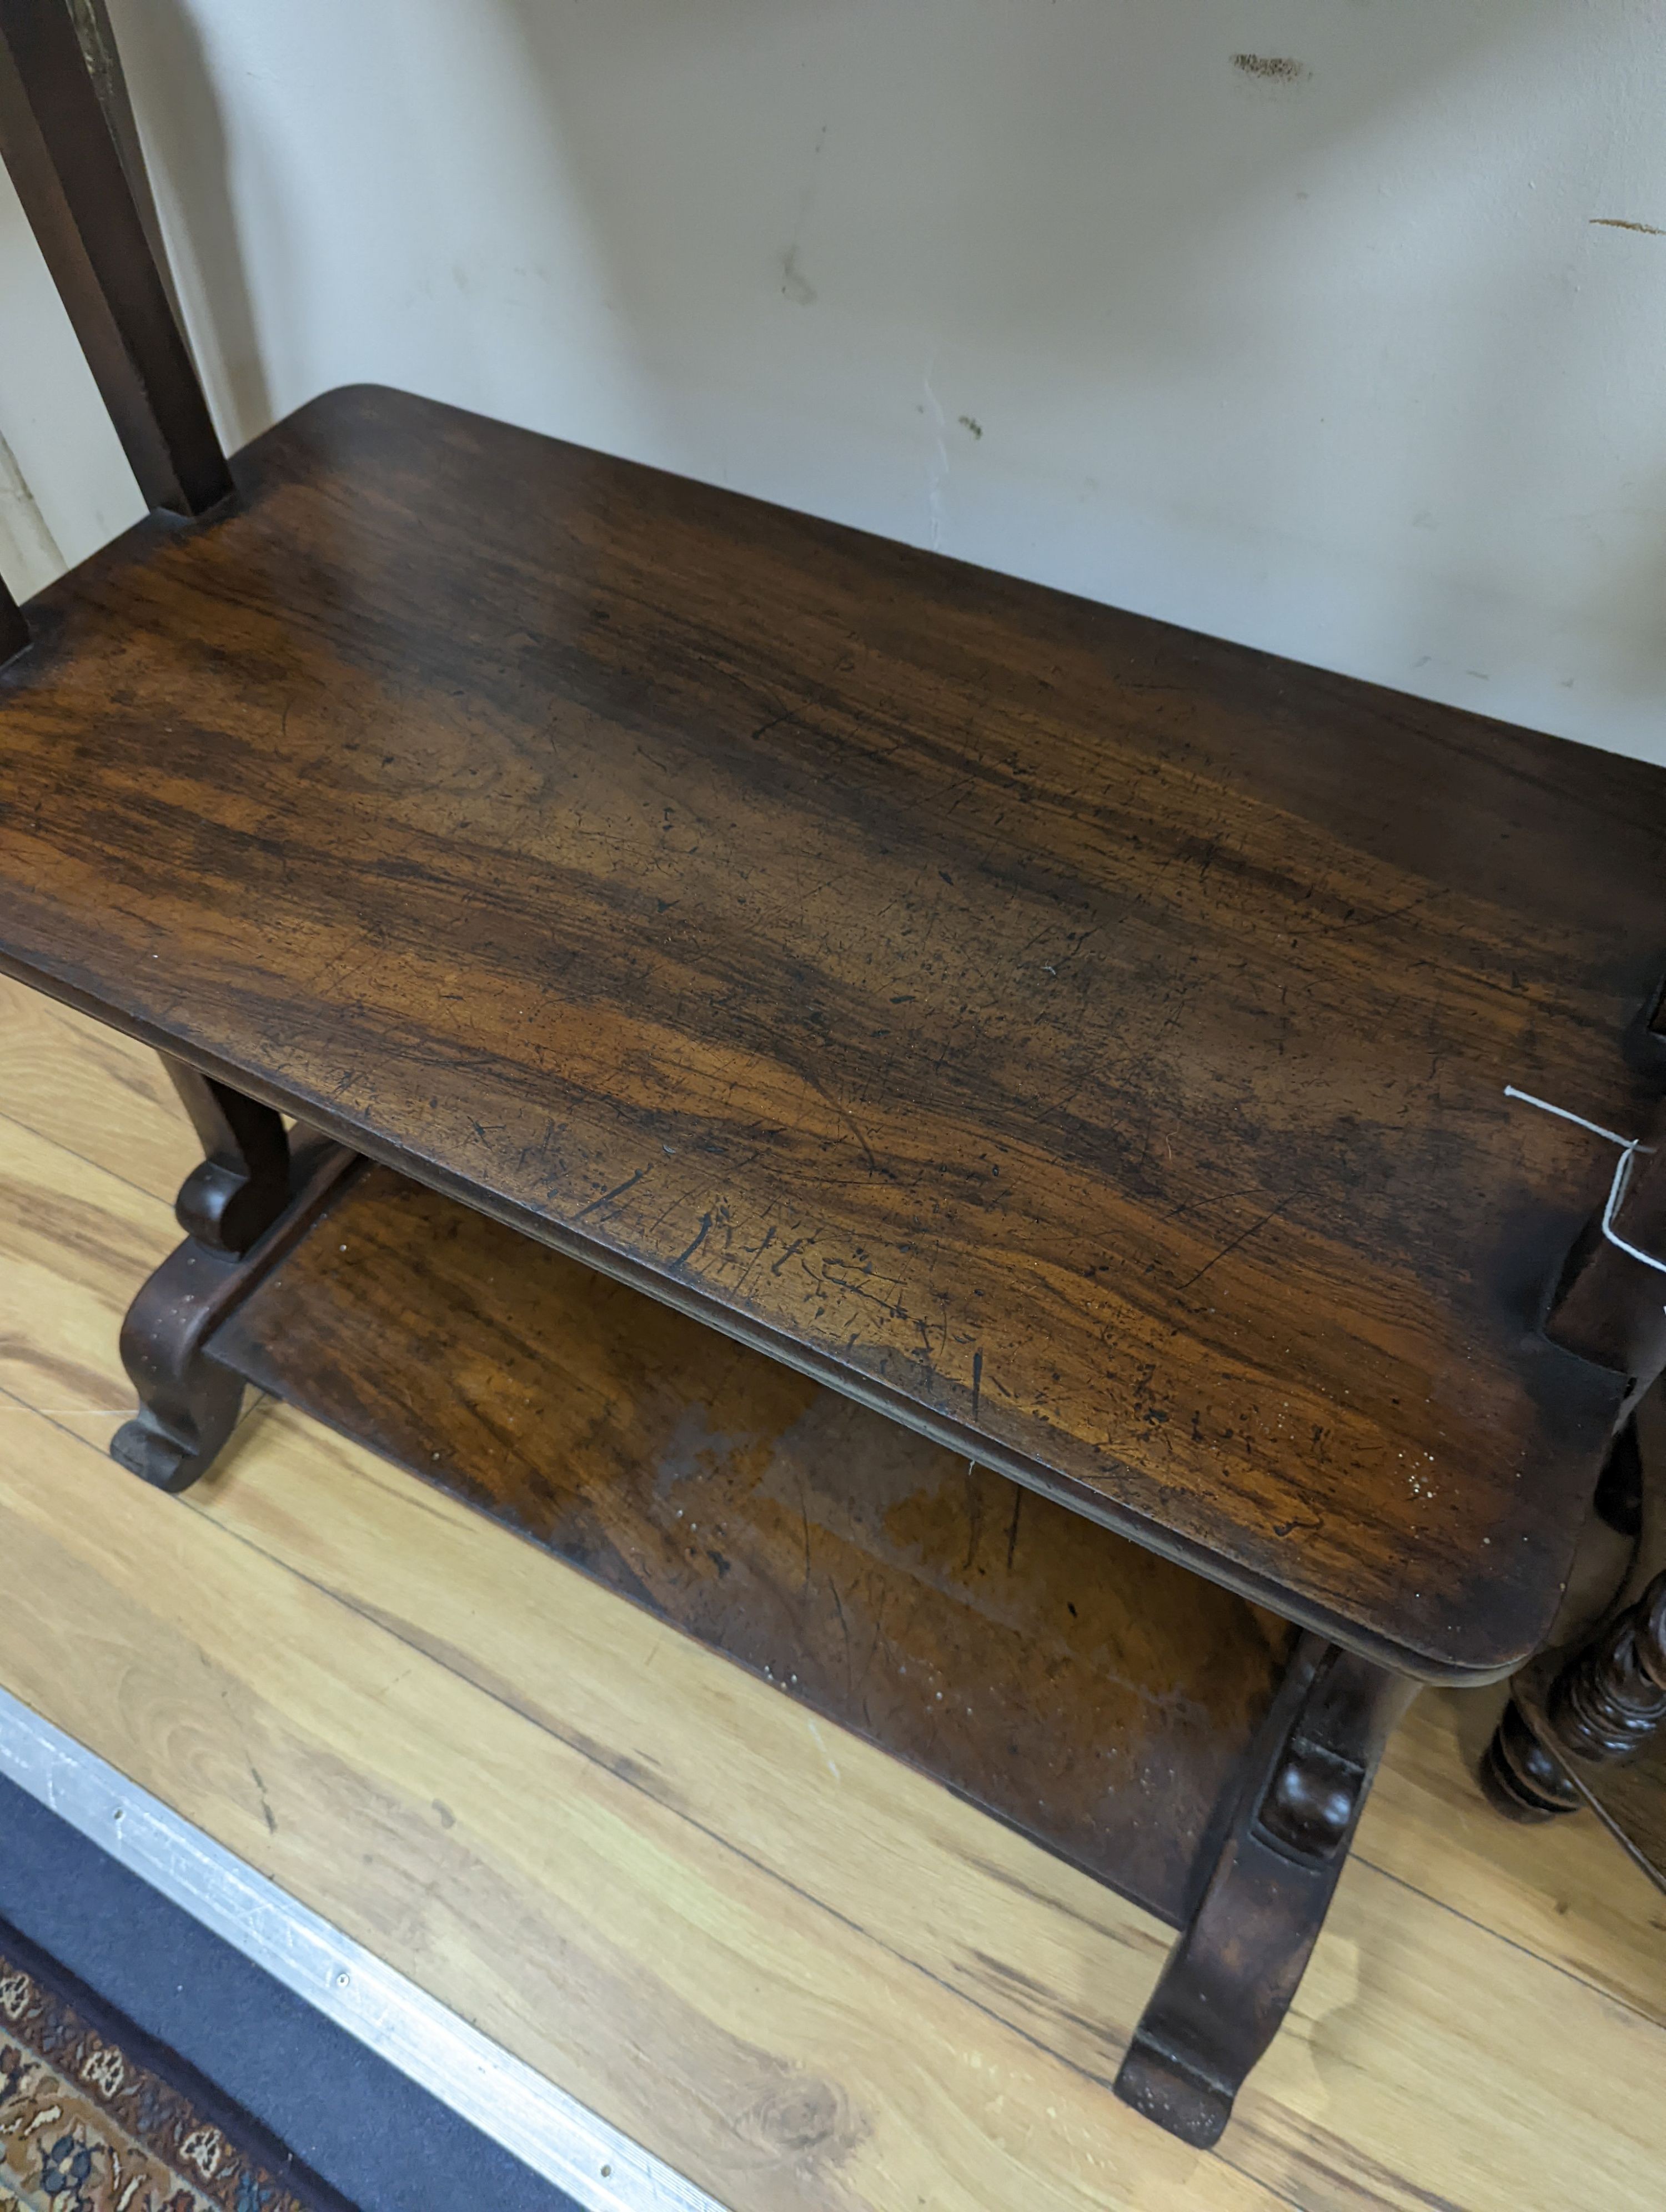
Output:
(1082, 1039)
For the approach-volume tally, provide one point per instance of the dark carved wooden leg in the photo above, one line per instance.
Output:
(1604, 1707)
(241, 1210)
(1231, 1977)
(243, 1184)
(188, 1406)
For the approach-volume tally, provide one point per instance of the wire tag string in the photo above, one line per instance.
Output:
(1629, 1149)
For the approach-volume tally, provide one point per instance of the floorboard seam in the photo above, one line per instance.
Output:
(1513, 1943)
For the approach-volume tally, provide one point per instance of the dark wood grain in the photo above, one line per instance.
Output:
(1096, 1697)
(1079, 1038)
(60, 140)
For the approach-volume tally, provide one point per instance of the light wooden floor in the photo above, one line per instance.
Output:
(799, 1973)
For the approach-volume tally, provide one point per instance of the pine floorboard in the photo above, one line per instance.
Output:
(796, 1970)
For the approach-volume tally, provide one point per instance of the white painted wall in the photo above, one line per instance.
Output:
(1349, 361)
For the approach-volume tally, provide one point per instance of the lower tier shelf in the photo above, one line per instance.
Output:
(1097, 1698)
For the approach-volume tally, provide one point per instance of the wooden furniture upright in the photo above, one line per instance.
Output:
(1585, 1725)
(951, 1140)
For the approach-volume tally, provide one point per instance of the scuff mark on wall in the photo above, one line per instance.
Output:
(1618, 222)
(795, 285)
(1274, 69)
(937, 461)
(27, 549)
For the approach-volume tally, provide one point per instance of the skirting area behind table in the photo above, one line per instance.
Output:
(99, 1874)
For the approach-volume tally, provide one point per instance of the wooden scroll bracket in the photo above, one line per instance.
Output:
(242, 1210)
(243, 1184)
(1230, 1980)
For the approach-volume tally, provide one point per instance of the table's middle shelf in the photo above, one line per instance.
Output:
(1094, 1696)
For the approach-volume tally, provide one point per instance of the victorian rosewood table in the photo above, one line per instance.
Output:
(950, 1140)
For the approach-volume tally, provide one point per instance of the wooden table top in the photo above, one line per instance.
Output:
(1083, 1040)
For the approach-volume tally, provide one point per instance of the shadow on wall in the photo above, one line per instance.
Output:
(1290, 323)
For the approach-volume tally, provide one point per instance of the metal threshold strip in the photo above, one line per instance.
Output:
(552, 2133)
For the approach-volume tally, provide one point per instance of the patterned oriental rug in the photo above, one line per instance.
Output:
(96, 2117)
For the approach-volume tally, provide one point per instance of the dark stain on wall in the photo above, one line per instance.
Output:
(1280, 69)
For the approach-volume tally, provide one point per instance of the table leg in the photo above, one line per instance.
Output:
(241, 1210)
(243, 1184)
(1230, 1979)
(1604, 1707)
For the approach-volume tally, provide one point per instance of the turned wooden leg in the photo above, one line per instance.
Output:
(1231, 1977)
(1522, 1774)
(1518, 1776)
(1604, 1707)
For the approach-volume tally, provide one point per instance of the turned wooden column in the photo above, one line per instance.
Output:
(1604, 1707)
